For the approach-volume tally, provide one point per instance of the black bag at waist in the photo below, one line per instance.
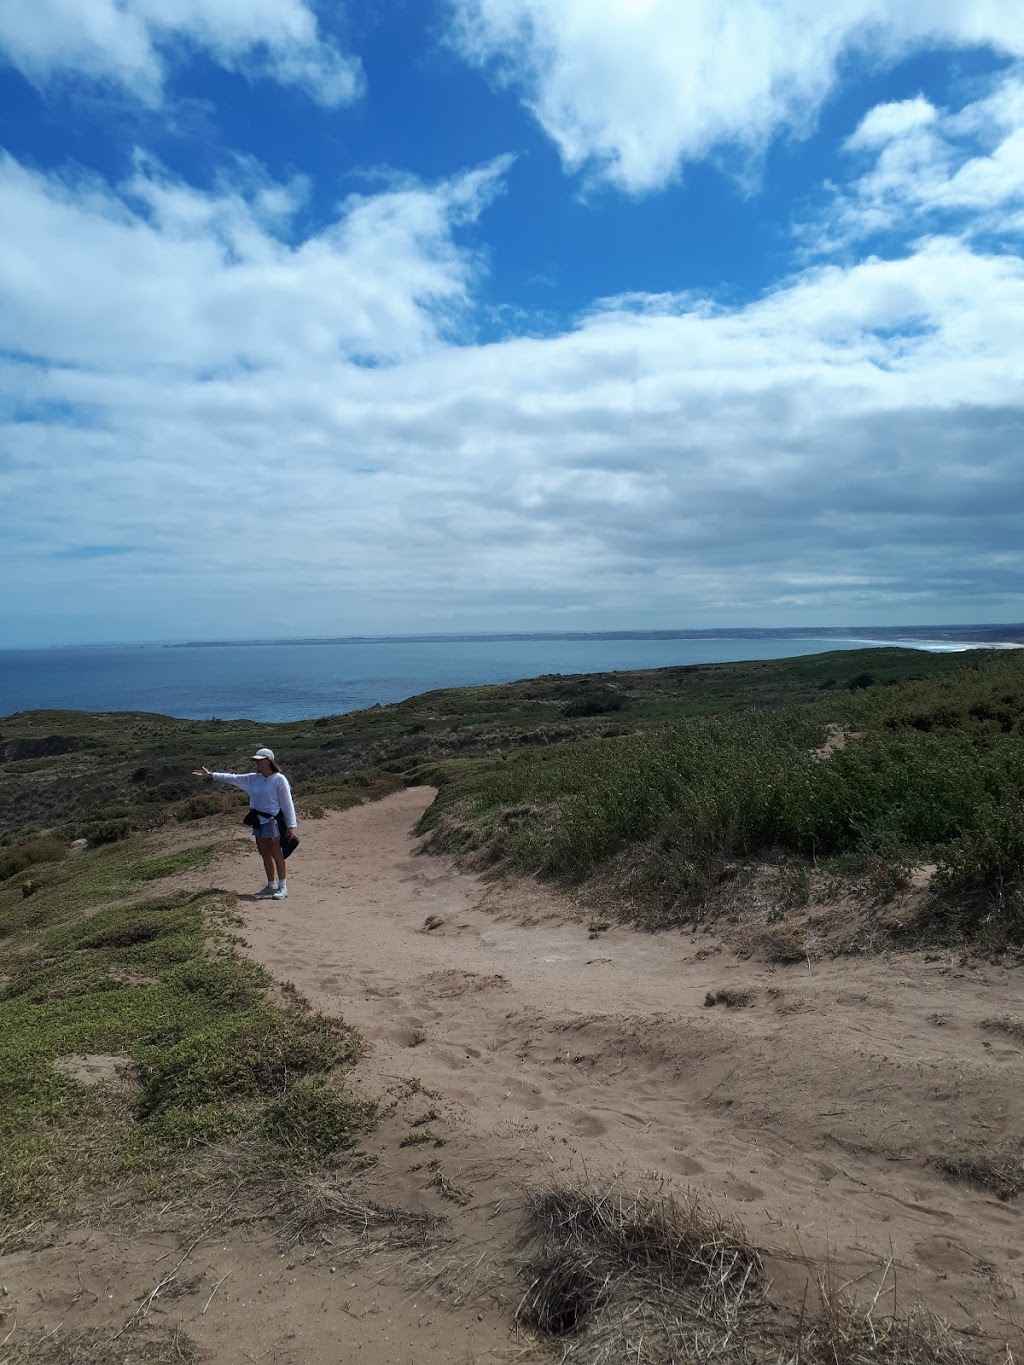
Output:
(258, 817)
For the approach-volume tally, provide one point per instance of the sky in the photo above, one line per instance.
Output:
(455, 315)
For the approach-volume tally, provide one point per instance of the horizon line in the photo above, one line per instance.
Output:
(962, 630)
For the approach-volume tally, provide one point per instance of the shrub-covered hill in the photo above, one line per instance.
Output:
(83, 774)
(665, 779)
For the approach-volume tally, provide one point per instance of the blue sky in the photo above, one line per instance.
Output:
(441, 315)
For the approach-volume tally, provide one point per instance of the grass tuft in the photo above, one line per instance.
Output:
(1001, 1174)
(730, 997)
(613, 1277)
(1007, 1024)
(143, 1346)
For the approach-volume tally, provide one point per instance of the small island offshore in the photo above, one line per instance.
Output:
(656, 1016)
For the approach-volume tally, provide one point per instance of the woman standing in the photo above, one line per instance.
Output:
(269, 793)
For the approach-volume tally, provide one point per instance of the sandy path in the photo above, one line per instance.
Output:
(814, 1114)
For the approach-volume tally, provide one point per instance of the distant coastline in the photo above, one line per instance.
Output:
(286, 680)
(993, 635)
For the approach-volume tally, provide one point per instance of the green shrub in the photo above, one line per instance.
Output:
(109, 831)
(313, 1121)
(594, 701)
(989, 855)
(226, 983)
(205, 804)
(246, 1053)
(125, 931)
(18, 857)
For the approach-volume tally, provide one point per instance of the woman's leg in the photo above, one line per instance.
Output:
(278, 857)
(266, 848)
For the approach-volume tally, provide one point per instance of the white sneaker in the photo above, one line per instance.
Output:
(269, 890)
(281, 894)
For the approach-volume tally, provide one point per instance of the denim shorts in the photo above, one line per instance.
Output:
(267, 830)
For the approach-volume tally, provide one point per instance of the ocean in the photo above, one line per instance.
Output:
(297, 680)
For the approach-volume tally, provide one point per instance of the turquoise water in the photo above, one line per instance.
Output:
(293, 681)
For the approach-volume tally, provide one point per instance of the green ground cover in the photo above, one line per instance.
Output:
(207, 1052)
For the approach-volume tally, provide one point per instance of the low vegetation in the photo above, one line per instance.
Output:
(97, 971)
(612, 1277)
(933, 774)
(659, 785)
(1001, 1174)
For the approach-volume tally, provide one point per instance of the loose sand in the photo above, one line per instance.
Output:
(814, 1113)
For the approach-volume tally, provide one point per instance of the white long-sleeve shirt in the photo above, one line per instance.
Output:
(270, 794)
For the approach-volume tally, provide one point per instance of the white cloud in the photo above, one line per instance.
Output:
(127, 41)
(633, 89)
(163, 274)
(927, 162)
(886, 122)
(195, 382)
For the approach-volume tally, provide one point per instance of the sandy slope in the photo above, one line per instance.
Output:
(813, 1114)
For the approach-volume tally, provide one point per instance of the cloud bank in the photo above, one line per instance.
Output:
(199, 380)
(209, 392)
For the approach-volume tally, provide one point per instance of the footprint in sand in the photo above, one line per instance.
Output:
(589, 1125)
(745, 1192)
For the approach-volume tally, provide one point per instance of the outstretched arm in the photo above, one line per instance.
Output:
(243, 780)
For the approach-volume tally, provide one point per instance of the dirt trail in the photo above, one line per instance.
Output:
(814, 1112)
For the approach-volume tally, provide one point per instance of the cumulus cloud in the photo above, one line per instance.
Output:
(926, 165)
(633, 89)
(886, 122)
(190, 380)
(127, 42)
(161, 273)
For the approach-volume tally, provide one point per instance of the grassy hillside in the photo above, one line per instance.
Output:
(86, 775)
(887, 773)
(663, 781)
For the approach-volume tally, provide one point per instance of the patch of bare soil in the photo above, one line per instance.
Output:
(836, 737)
(518, 1043)
(92, 1068)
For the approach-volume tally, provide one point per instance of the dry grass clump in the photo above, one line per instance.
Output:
(628, 1274)
(96, 1347)
(613, 1278)
(783, 944)
(842, 1331)
(320, 1207)
(1008, 1024)
(1001, 1173)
